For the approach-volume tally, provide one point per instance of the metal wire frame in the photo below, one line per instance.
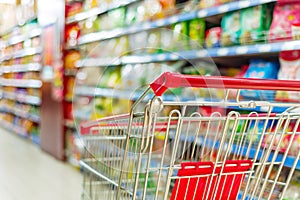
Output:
(126, 152)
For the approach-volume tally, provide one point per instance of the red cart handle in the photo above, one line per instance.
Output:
(176, 80)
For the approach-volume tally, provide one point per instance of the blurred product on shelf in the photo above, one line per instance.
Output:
(246, 26)
(196, 33)
(289, 70)
(73, 9)
(255, 23)
(284, 16)
(261, 69)
(74, 147)
(72, 34)
(213, 37)
(71, 58)
(231, 29)
(70, 83)
(212, 3)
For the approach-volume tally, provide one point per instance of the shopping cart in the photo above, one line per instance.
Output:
(171, 150)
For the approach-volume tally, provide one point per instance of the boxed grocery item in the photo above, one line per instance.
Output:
(255, 22)
(231, 27)
(180, 36)
(259, 68)
(196, 33)
(286, 13)
(213, 37)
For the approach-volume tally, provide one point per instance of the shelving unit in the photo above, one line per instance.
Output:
(20, 81)
(97, 11)
(146, 26)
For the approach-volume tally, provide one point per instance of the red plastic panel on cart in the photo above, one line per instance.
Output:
(222, 186)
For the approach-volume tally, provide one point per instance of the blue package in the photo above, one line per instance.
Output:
(259, 68)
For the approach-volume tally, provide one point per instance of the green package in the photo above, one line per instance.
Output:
(255, 22)
(117, 17)
(196, 32)
(231, 29)
(180, 36)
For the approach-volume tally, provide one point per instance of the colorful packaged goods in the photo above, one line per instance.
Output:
(285, 15)
(213, 37)
(289, 70)
(255, 22)
(259, 68)
(231, 27)
(196, 33)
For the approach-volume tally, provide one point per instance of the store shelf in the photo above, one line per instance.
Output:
(203, 13)
(21, 38)
(243, 150)
(120, 94)
(11, 127)
(21, 68)
(22, 98)
(19, 25)
(254, 49)
(23, 83)
(215, 52)
(22, 53)
(95, 62)
(97, 11)
(20, 113)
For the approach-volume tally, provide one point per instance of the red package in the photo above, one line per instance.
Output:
(286, 13)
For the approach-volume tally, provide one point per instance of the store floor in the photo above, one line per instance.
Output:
(27, 173)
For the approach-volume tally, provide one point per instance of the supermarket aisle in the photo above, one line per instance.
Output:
(28, 173)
